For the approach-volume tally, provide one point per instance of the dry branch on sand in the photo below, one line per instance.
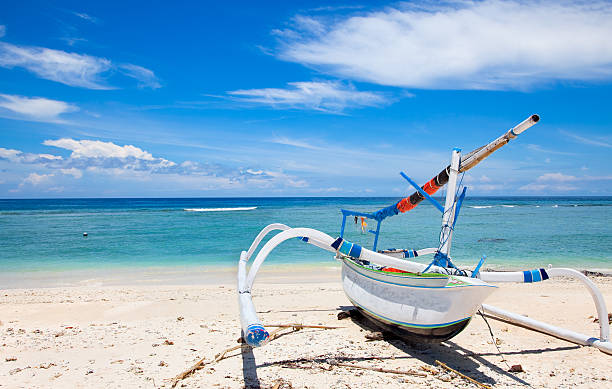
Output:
(224, 354)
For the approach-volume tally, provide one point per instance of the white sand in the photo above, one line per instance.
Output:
(115, 336)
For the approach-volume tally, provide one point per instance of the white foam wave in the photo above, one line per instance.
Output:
(219, 209)
(481, 206)
(508, 206)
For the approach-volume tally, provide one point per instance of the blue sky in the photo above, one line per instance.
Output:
(153, 99)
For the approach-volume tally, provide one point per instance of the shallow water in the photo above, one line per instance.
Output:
(513, 232)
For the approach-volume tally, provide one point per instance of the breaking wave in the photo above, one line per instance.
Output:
(219, 209)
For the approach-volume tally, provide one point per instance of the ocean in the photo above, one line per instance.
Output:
(513, 232)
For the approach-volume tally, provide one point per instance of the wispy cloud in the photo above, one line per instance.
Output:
(556, 177)
(336, 8)
(86, 17)
(459, 44)
(2, 30)
(328, 96)
(540, 149)
(71, 40)
(547, 188)
(283, 140)
(593, 141)
(67, 68)
(145, 77)
(36, 108)
(79, 70)
(559, 182)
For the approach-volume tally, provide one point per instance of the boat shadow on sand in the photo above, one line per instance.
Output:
(449, 352)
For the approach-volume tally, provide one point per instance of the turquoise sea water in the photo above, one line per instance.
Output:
(514, 232)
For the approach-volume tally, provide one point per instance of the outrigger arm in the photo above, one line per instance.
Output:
(536, 275)
(255, 334)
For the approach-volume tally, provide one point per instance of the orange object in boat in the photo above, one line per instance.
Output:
(393, 270)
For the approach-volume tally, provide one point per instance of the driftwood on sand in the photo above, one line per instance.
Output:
(444, 366)
(224, 354)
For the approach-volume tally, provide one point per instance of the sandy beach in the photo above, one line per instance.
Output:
(143, 336)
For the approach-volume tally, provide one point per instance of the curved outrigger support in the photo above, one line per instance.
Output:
(528, 276)
(256, 335)
(253, 331)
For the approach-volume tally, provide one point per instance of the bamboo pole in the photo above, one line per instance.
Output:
(444, 366)
(381, 370)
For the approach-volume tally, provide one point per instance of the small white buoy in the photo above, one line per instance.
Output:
(85, 234)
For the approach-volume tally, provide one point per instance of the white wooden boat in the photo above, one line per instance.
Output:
(429, 303)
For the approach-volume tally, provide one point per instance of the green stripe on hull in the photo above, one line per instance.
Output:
(407, 325)
(404, 274)
(453, 282)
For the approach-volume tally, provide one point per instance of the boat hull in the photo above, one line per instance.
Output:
(420, 310)
(415, 334)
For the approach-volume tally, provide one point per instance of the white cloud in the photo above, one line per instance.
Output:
(588, 141)
(556, 177)
(534, 187)
(336, 8)
(283, 140)
(145, 77)
(71, 40)
(80, 70)
(459, 44)
(330, 96)
(36, 179)
(76, 173)
(559, 182)
(9, 154)
(86, 17)
(67, 68)
(17, 156)
(540, 149)
(486, 188)
(96, 148)
(36, 107)
(107, 162)
(551, 182)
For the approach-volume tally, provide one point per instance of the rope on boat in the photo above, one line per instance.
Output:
(493, 337)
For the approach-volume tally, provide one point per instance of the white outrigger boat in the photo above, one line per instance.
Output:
(430, 303)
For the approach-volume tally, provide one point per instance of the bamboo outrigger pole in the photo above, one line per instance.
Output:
(469, 161)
